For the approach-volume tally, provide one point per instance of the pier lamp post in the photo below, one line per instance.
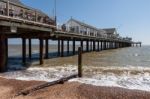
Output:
(55, 11)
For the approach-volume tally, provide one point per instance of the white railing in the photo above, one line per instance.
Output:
(21, 12)
(67, 30)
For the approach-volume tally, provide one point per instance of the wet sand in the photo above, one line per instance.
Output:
(68, 90)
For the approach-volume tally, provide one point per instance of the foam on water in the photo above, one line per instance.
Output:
(126, 77)
(140, 82)
(40, 74)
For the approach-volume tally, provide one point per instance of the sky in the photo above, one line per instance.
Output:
(130, 17)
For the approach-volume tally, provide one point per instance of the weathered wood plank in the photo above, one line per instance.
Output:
(47, 84)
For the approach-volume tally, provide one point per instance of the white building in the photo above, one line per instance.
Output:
(111, 32)
(127, 38)
(82, 28)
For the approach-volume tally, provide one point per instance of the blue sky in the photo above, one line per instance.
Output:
(130, 17)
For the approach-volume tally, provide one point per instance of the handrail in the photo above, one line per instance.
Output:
(77, 34)
(25, 21)
(26, 13)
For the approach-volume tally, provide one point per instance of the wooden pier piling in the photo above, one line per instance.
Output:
(107, 45)
(110, 45)
(3, 58)
(24, 50)
(87, 46)
(30, 48)
(68, 47)
(6, 45)
(46, 49)
(98, 49)
(104, 45)
(80, 62)
(74, 47)
(58, 47)
(62, 48)
(101, 45)
(94, 46)
(81, 44)
(41, 51)
(91, 46)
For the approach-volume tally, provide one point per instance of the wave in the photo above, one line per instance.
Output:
(130, 77)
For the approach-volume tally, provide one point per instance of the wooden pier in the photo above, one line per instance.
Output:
(33, 24)
(137, 44)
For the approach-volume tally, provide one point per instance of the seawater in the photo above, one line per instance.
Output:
(125, 67)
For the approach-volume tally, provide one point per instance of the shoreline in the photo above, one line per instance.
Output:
(68, 90)
(129, 78)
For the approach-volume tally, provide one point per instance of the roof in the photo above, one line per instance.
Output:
(110, 30)
(84, 24)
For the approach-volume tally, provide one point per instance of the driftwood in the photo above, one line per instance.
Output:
(60, 81)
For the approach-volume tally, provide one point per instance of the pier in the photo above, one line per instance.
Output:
(19, 21)
(137, 44)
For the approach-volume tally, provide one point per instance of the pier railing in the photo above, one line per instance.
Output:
(73, 34)
(67, 30)
(18, 12)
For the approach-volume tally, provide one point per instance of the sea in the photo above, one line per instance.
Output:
(125, 67)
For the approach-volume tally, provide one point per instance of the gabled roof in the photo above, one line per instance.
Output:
(84, 24)
(110, 30)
